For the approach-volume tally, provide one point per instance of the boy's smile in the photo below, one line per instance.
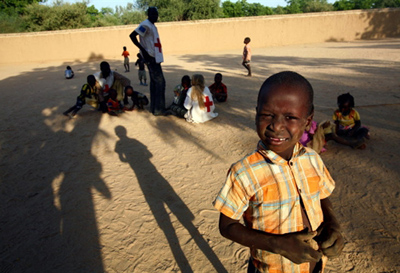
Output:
(282, 116)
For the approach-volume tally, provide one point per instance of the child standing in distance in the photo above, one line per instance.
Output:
(69, 74)
(199, 102)
(281, 189)
(348, 129)
(139, 100)
(125, 53)
(141, 71)
(218, 89)
(247, 56)
(87, 92)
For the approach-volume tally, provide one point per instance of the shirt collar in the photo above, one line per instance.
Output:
(269, 155)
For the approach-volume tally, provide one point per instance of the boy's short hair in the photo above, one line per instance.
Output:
(152, 9)
(91, 80)
(345, 98)
(292, 79)
(185, 78)
(248, 39)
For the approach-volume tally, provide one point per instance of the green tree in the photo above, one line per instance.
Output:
(303, 6)
(386, 4)
(353, 4)
(242, 8)
(18, 6)
(66, 16)
(178, 10)
(128, 15)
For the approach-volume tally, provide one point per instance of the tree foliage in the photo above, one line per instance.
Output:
(241, 9)
(365, 4)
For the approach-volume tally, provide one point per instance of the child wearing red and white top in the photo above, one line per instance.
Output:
(114, 106)
(218, 89)
(125, 53)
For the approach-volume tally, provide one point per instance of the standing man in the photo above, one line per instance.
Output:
(150, 48)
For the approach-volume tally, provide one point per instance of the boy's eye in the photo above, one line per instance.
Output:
(291, 118)
(264, 117)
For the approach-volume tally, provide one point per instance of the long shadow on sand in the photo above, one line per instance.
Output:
(158, 192)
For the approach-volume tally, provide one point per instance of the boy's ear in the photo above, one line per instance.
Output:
(309, 119)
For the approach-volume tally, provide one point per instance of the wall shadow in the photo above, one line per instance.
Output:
(158, 194)
(379, 26)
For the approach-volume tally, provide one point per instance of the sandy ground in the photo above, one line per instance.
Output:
(133, 193)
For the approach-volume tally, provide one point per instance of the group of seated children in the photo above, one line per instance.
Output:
(346, 129)
(89, 95)
(194, 101)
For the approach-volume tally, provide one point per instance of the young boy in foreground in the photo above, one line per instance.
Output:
(281, 189)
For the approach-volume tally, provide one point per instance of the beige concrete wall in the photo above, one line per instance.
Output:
(202, 36)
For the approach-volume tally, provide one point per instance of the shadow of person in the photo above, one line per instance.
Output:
(78, 226)
(158, 192)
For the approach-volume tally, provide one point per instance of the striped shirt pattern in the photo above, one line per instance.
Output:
(265, 190)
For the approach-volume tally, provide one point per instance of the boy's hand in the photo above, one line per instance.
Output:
(330, 240)
(296, 247)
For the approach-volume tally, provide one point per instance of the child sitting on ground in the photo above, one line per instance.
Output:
(114, 106)
(314, 136)
(199, 102)
(180, 91)
(88, 95)
(139, 100)
(281, 190)
(218, 89)
(348, 129)
(69, 74)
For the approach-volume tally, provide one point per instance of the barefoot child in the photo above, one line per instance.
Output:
(180, 91)
(247, 56)
(282, 189)
(88, 94)
(139, 100)
(141, 71)
(114, 106)
(348, 129)
(125, 53)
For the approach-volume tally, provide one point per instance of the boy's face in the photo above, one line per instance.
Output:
(345, 108)
(113, 95)
(282, 116)
(218, 78)
(129, 92)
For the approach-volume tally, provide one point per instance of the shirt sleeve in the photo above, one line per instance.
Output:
(233, 198)
(327, 184)
(141, 30)
(356, 116)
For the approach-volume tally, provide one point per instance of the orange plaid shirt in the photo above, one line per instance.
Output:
(264, 189)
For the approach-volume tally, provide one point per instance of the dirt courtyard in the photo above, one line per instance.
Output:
(134, 193)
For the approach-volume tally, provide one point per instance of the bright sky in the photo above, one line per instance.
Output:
(111, 4)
